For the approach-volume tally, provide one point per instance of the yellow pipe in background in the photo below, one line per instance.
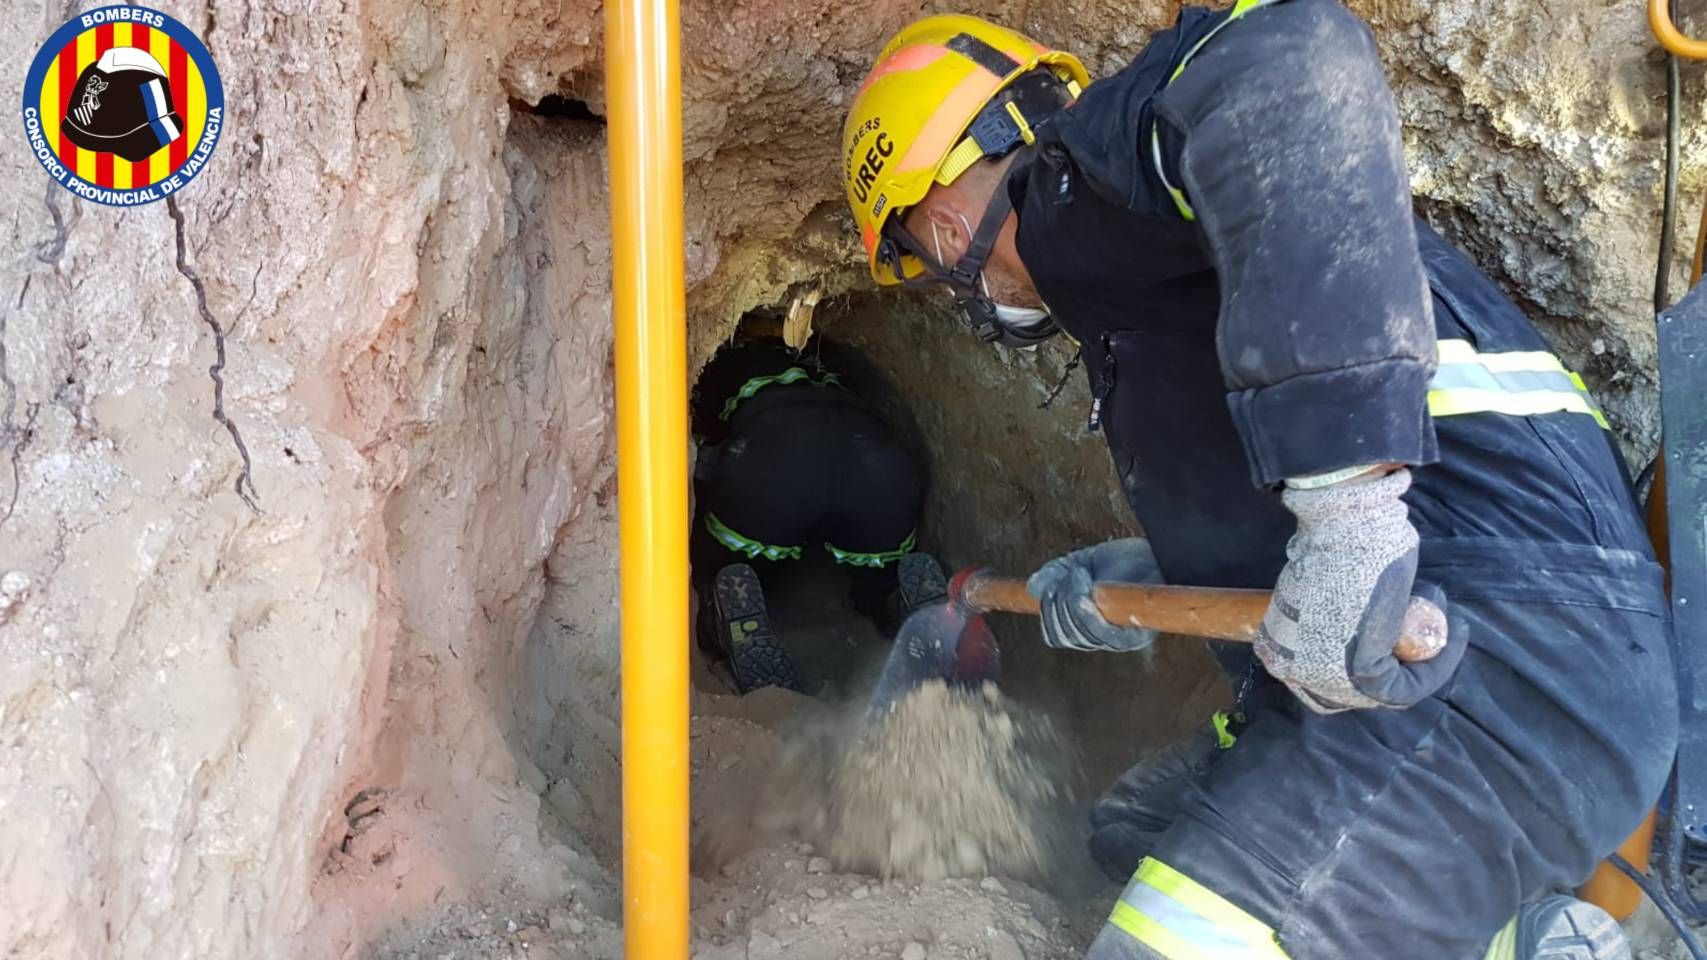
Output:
(1659, 21)
(644, 129)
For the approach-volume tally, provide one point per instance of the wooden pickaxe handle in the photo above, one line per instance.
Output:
(1215, 612)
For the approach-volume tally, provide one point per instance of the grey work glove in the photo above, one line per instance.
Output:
(1062, 587)
(1345, 596)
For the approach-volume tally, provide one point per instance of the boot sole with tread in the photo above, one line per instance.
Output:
(755, 657)
(1564, 928)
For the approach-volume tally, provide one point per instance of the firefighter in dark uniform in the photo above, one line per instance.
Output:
(793, 459)
(1305, 388)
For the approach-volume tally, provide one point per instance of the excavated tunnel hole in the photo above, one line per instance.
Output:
(1011, 483)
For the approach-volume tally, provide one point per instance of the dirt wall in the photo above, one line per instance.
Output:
(236, 730)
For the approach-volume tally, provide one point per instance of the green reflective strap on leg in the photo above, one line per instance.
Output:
(1182, 919)
(1224, 722)
(1504, 945)
(876, 561)
(746, 546)
(791, 375)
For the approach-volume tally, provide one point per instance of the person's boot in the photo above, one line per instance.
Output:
(744, 632)
(1561, 928)
(921, 581)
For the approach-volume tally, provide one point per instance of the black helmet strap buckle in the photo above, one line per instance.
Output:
(1012, 118)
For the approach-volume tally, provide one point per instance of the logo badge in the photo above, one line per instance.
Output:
(123, 105)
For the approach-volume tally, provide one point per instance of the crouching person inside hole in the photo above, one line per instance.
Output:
(793, 458)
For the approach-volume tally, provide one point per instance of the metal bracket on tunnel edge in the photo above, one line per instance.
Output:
(1683, 412)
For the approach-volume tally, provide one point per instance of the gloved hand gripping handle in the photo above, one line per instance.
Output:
(1216, 613)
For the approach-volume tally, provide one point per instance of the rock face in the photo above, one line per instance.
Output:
(294, 646)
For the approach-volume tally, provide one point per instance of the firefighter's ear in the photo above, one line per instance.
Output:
(943, 230)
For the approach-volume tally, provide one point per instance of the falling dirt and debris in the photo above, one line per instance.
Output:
(956, 783)
(949, 783)
(927, 825)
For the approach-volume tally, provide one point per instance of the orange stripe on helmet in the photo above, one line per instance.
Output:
(868, 236)
(950, 119)
(912, 58)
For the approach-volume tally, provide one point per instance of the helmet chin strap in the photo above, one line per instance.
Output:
(965, 278)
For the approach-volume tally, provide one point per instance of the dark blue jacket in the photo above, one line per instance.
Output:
(1290, 328)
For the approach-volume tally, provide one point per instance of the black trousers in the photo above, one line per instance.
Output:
(807, 468)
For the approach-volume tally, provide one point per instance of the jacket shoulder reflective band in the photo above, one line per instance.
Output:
(746, 546)
(791, 375)
(1181, 919)
(1521, 383)
(876, 561)
(1239, 9)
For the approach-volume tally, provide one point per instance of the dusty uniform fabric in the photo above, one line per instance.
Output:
(1127, 820)
(799, 462)
(1304, 323)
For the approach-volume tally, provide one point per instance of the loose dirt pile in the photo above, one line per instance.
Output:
(950, 783)
(925, 836)
(780, 903)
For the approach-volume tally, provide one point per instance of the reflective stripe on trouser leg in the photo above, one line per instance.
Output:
(1181, 919)
(747, 546)
(1504, 946)
(876, 561)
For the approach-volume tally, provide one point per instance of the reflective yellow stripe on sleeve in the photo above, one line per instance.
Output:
(1239, 9)
(1181, 919)
(1519, 383)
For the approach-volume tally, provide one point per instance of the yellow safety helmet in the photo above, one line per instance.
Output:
(908, 128)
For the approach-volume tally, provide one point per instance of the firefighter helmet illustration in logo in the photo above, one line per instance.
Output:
(136, 118)
(123, 105)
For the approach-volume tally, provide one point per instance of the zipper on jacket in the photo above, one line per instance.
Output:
(1104, 385)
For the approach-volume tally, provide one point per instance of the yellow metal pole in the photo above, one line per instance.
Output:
(643, 94)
